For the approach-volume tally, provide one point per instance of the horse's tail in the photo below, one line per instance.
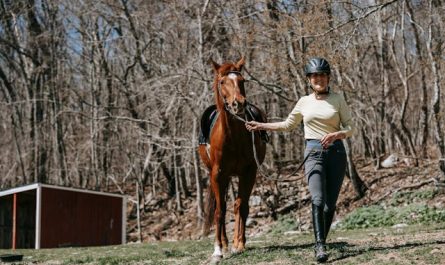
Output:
(209, 210)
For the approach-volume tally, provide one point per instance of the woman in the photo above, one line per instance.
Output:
(327, 120)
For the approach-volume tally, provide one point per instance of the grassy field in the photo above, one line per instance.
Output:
(407, 245)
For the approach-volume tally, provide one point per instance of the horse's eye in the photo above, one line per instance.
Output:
(221, 82)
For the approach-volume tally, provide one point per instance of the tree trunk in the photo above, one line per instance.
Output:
(39, 80)
(404, 78)
(177, 189)
(138, 212)
(198, 177)
(383, 65)
(435, 67)
(358, 184)
(424, 128)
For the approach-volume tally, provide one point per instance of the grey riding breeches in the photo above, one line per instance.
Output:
(325, 170)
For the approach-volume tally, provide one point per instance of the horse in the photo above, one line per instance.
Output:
(230, 152)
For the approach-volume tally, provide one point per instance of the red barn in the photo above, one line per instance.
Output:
(45, 216)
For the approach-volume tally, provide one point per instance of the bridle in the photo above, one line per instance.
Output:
(225, 103)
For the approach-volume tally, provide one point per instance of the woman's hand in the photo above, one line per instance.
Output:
(253, 126)
(331, 137)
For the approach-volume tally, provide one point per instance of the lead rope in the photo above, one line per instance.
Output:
(256, 157)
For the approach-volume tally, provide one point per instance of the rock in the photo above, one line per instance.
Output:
(251, 222)
(292, 232)
(390, 161)
(435, 251)
(255, 200)
(335, 224)
(399, 225)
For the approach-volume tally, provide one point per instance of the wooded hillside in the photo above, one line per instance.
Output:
(108, 94)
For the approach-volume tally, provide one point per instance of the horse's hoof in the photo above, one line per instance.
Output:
(225, 251)
(237, 250)
(216, 259)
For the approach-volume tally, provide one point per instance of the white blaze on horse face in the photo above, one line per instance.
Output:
(234, 77)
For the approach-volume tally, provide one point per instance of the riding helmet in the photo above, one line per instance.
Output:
(317, 65)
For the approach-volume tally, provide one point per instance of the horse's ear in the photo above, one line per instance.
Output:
(240, 63)
(214, 64)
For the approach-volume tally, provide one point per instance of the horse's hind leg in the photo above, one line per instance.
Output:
(241, 209)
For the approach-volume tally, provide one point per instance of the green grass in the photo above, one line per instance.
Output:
(365, 236)
(379, 216)
(408, 197)
(402, 208)
(409, 245)
(284, 223)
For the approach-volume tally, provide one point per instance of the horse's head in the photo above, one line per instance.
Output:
(229, 86)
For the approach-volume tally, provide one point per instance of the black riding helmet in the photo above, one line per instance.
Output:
(317, 65)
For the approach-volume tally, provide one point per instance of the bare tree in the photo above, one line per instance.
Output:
(106, 94)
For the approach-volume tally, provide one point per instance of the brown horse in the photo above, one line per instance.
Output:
(230, 153)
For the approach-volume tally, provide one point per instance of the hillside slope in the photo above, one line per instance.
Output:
(386, 187)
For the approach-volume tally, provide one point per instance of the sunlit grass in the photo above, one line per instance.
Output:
(409, 245)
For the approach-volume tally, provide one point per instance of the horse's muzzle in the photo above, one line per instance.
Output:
(237, 107)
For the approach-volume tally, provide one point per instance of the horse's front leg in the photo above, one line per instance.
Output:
(241, 209)
(224, 238)
(236, 212)
(219, 187)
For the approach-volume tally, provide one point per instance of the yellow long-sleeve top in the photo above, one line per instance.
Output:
(320, 117)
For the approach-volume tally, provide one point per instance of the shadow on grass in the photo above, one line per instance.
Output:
(292, 248)
(347, 253)
(340, 245)
(344, 249)
(285, 247)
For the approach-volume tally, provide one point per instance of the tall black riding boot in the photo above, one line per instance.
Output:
(328, 217)
(318, 222)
